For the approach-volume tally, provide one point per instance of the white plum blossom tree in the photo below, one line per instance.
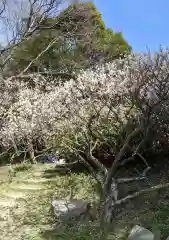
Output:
(114, 108)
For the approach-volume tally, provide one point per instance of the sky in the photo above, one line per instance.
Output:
(143, 23)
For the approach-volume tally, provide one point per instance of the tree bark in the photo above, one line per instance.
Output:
(32, 154)
(108, 200)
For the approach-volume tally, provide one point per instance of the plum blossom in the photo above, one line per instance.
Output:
(30, 113)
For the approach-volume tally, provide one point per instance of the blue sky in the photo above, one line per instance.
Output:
(144, 23)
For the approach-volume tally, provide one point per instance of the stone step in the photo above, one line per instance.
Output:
(15, 194)
(40, 180)
(26, 187)
(44, 172)
(57, 170)
(50, 175)
(43, 167)
(7, 202)
(37, 174)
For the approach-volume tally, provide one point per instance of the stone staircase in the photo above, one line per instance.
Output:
(22, 211)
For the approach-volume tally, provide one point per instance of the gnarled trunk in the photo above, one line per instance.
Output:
(109, 198)
(32, 154)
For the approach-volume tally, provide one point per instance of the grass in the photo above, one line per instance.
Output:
(22, 167)
(31, 217)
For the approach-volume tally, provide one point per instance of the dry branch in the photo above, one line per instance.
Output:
(143, 191)
(118, 157)
(128, 180)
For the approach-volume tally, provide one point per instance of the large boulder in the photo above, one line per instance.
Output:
(74, 209)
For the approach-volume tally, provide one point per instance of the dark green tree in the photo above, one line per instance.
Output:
(77, 38)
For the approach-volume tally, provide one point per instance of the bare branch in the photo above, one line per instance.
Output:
(127, 180)
(143, 191)
(115, 163)
(94, 160)
(2, 9)
(39, 55)
(92, 171)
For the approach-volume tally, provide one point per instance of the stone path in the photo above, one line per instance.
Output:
(19, 217)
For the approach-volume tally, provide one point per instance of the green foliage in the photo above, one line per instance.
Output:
(160, 220)
(103, 42)
(30, 48)
(77, 186)
(113, 45)
(82, 232)
(81, 40)
(4, 158)
(86, 232)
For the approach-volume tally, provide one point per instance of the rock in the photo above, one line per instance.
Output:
(140, 233)
(69, 210)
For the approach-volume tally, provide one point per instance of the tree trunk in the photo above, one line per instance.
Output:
(32, 154)
(107, 202)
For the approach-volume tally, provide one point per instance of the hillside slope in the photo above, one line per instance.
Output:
(25, 206)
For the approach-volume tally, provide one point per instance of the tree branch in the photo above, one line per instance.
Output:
(92, 171)
(137, 194)
(127, 180)
(95, 161)
(39, 55)
(115, 164)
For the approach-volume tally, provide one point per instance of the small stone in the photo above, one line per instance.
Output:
(140, 233)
